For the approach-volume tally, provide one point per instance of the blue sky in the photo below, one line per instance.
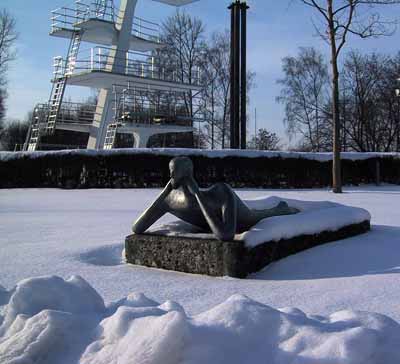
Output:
(276, 29)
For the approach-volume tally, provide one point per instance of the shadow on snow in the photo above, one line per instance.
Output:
(376, 252)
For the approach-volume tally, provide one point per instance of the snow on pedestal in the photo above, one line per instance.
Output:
(181, 247)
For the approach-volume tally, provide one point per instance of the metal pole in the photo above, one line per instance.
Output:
(397, 92)
(243, 110)
(255, 128)
(232, 76)
(99, 49)
(91, 58)
(237, 75)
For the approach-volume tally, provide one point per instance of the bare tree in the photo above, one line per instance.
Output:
(216, 78)
(217, 83)
(180, 60)
(2, 108)
(8, 36)
(340, 18)
(13, 135)
(182, 56)
(372, 109)
(304, 94)
(265, 140)
(190, 57)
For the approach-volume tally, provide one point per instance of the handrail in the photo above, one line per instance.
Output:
(147, 118)
(70, 113)
(66, 17)
(147, 21)
(69, 18)
(152, 107)
(62, 146)
(131, 63)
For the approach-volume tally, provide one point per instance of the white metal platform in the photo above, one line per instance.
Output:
(157, 129)
(141, 132)
(103, 32)
(128, 128)
(106, 80)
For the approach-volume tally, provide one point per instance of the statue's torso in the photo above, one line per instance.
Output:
(184, 206)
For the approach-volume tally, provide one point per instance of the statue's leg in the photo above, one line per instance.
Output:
(223, 223)
(281, 209)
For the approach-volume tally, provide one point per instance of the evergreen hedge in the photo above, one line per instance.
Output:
(149, 168)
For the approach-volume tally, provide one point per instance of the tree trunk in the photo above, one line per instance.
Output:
(336, 172)
(336, 165)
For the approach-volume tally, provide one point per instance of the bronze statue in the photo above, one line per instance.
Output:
(218, 208)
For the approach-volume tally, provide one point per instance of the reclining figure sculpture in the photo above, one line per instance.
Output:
(218, 209)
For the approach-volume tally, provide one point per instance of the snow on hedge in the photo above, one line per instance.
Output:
(314, 217)
(173, 152)
(49, 320)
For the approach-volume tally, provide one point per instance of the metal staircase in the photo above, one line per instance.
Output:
(112, 128)
(60, 82)
(111, 135)
(33, 141)
(61, 74)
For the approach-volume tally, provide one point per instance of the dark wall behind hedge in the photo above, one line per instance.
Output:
(143, 168)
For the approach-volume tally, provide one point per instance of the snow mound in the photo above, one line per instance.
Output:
(34, 295)
(66, 322)
(46, 317)
(313, 218)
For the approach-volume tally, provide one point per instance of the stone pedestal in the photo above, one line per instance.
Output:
(215, 258)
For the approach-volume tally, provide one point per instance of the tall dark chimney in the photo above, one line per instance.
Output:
(238, 77)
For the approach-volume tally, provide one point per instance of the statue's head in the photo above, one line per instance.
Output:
(180, 168)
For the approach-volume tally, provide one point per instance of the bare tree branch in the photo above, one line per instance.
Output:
(341, 18)
(8, 36)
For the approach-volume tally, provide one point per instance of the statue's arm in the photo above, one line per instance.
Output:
(157, 209)
(224, 229)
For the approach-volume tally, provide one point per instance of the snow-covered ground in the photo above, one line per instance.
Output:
(65, 233)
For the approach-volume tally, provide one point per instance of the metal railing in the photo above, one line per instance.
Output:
(136, 105)
(146, 29)
(104, 10)
(70, 18)
(154, 116)
(70, 112)
(128, 63)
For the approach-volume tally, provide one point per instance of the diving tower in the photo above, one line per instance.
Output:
(121, 64)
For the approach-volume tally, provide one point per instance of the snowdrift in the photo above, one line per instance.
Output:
(49, 320)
